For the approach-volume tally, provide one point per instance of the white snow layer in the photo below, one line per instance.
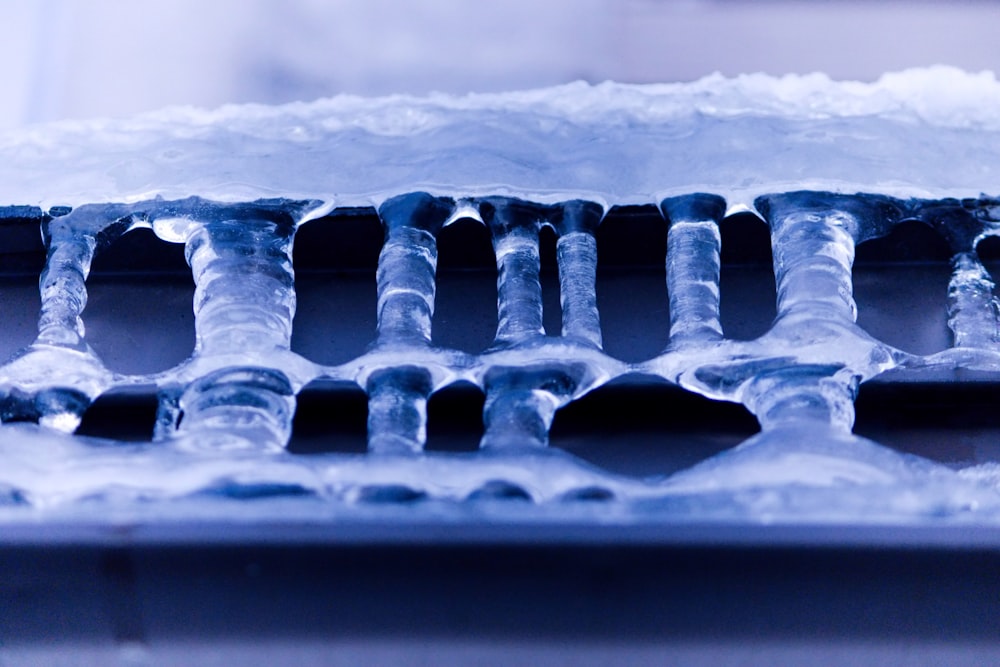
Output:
(919, 133)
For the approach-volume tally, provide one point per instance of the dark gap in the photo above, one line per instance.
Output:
(139, 314)
(330, 417)
(989, 254)
(901, 288)
(23, 251)
(20, 304)
(746, 239)
(748, 297)
(632, 236)
(22, 259)
(989, 250)
(335, 259)
(140, 251)
(127, 414)
(632, 283)
(465, 245)
(549, 280)
(642, 426)
(909, 241)
(346, 239)
(455, 418)
(465, 312)
(955, 423)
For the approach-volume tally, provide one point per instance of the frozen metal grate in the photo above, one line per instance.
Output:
(828, 166)
(225, 414)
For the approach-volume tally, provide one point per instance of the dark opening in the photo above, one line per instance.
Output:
(549, 279)
(748, 302)
(643, 426)
(465, 313)
(139, 315)
(455, 419)
(330, 417)
(335, 259)
(632, 283)
(127, 414)
(901, 288)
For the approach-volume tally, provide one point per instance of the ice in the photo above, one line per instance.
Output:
(827, 165)
(693, 264)
(929, 133)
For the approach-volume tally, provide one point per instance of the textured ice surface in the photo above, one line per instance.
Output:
(924, 133)
(827, 165)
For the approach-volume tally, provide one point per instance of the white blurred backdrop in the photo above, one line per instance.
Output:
(76, 58)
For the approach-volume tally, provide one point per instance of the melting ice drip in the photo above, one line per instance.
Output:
(225, 414)
(516, 163)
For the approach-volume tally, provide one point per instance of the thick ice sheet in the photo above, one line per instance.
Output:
(220, 182)
(924, 133)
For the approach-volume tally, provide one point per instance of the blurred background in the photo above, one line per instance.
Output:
(76, 59)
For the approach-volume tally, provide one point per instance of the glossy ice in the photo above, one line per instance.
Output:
(800, 152)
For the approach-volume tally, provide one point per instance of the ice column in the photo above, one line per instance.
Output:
(693, 264)
(397, 395)
(576, 253)
(527, 379)
(240, 258)
(514, 227)
(972, 308)
(813, 236)
(57, 377)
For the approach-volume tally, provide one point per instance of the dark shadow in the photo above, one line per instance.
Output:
(955, 423)
(465, 313)
(901, 288)
(455, 418)
(632, 283)
(335, 260)
(748, 301)
(139, 315)
(642, 426)
(127, 414)
(330, 417)
(989, 254)
(549, 279)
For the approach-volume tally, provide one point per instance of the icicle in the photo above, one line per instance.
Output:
(55, 379)
(813, 236)
(528, 376)
(576, 253)
(973, 315)
(514, 226)
(693, 263)
(240, 258)
(972, 308)
(397, 395)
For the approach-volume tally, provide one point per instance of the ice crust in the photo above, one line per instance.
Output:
(921, 133)
(827, 165)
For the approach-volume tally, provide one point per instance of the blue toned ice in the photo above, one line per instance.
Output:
(827, 165)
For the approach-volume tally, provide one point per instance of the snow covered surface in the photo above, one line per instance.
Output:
(920, 133)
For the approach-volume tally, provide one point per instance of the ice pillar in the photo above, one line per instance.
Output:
(514, 227)
(522, 398)
(693, 265)
(244, 302)
(55, 379)
(397, 396)
(576, 254)
(813, 237)
(973, 310)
